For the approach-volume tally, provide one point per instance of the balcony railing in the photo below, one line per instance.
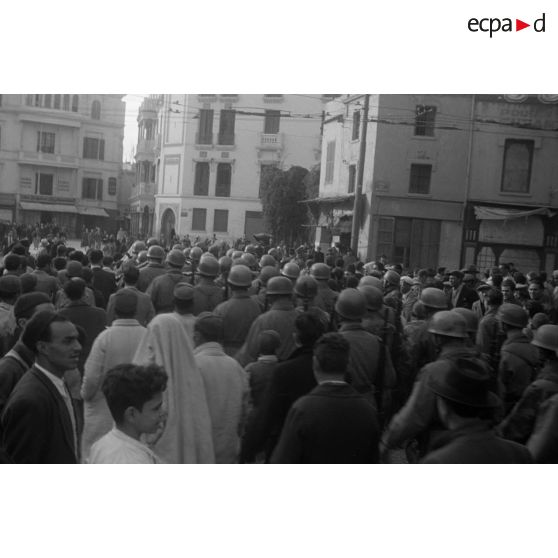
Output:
(271, 141)
(204, 139)
(226, 139)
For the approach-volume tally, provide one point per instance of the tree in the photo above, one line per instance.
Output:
(280, 194)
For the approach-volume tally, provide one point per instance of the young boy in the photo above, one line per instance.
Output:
(134, 396)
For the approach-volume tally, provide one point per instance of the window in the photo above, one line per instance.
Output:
(75, 101)
(271, 122)
(352, 178)
(201, 180)
(96, 110)
(330, 162)
(66, 102)
(57, 101)
(420, 179)
(43, 184)
(221, 220)
(29, 100)
(37, 100)
(424, 120)
(94, 148)
(518, 161)
(223, 185)
(45, 142)
(356, 125)
(205, 131)
(92, 188)
(48, 101)
(198, 219)
(112, 186)
(226, 127)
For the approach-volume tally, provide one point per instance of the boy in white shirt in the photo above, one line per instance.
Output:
(134, 396)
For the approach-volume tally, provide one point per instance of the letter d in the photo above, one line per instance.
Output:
(535, 25)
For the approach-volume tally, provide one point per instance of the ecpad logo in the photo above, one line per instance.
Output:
(492, 25)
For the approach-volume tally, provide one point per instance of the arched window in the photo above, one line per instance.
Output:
(96, 110)
(75, 103)
(66, 102)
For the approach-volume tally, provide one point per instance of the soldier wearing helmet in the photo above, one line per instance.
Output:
(154, 267)
(305, 290)
(518, 358)
(161, 288)
(363, 372)
(207, 295)
(520, 423)
(260, 283)
(418, 419)
(239, 311)
(392, 292)
(326, 297)
(291, 270)
(472, 324)
(489, 335)
(280, 317)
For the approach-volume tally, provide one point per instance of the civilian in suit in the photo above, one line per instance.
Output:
(103, 281)
(333, 423)
(462, 296)
(39, 423)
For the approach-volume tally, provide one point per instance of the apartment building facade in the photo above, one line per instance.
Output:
(60, 159)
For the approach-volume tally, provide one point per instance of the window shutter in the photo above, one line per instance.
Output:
(102, 150)
(84, 147)
(38, 141)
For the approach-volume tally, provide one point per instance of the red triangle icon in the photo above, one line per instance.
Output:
(519, 25)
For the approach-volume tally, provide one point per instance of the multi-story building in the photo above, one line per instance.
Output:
(213, 148)
(142, 199)
(448, 179)
(60, 158)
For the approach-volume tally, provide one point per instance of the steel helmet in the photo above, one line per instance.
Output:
(251, 249)
(449, 324)
(186, 252)
(266, 259)
(230, 252)
(374, 297)
(156, 253)
(291, 270)
(320, 271)
(351, 304)
(249, 260)
(176, 258)
(369, 280)
(237, 254)
(138, 246)
(208, 267)
(279, 286)
(142, 256)
(177, 247)
(152, 242)
(306, 287)
(392, 277)
(434, 298)
(196, 253)
(240, 276)
(214, 250)
(512, 315)
(546, 337)
(225, 264)
(470, 318)
(267, 273)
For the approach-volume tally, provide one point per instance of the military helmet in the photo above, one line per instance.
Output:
(208, 267)
(237, 254)
(512, 315)
(152, 241)
(249, 260)
(434, 298)
(351, 304)
(177, 247)
(546, 337)
(176, 258)
(266, 259)
(306, 287)
(142, 256)
(196, 253)
(374, 297)
(449, 324)
(138, 246)
(240, 276)
(279, 286)
(155, 252)
(225, 264)
(267, 273)
(392, 277)
(291, 270)
(320, 271)
(470, 318)
(251, 249)
(371, 281)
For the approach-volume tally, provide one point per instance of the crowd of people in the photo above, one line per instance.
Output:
(210, 354)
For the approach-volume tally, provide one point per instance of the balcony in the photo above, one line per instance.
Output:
(204, 139)
(271, 142)
(225, 139)
(48, 159)
(146, 146)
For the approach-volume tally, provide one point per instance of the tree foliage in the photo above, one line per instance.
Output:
(280, 194)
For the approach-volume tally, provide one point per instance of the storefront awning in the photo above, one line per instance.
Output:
(499, 214)
(93, 211)
(330, 200)
(54, 207)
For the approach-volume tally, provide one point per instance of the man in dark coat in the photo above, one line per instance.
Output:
(333, 423)
(465, 406)
(39, 423)
(103, 281)
(462, 296)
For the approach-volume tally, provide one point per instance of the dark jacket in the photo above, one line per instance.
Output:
(12, 367)
(36, 425)
(144, 311)
(332, 424)
(207, 296)
(543, 443)
(148, 273)
(105, 282)
(478, 444)
(161, 290)
(466, 298)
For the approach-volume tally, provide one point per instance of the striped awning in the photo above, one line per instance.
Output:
(93, 211)
(53, 207)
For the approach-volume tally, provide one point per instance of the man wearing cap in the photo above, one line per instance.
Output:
(153, 268)
(104, 281)
(462, 296)
(20, 358)
(113, 346)
(479, 306)
(46, 282)
(418, 418)
(39, 423)
(465, 407)
(239, 311)
(392, 294)
(73, 269)
(9, 291)
(489, 334)
(207, 295)
(326, 297)
(226, 387)
(183, 302)
(161, 287)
